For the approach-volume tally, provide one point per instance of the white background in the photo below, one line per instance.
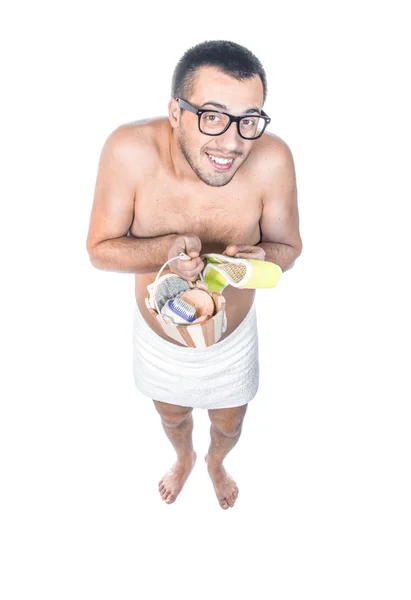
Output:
(323, 464)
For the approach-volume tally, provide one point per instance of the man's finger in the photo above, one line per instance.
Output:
(231, 250)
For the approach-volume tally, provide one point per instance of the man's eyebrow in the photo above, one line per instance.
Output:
(223, 107)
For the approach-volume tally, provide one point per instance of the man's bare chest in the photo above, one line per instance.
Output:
(221, 216)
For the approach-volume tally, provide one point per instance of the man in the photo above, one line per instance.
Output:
(208, 178)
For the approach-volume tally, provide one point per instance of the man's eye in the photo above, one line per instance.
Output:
(248, 122)
(213, 118)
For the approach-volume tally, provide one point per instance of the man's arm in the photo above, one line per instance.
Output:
(112, 214)
(279, 223)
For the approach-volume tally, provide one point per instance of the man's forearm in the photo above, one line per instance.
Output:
(281, 254)
(129, 254)
(132, 255)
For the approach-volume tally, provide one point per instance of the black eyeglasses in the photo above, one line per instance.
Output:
(214, 122)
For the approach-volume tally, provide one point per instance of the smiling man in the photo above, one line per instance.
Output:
(208, 178)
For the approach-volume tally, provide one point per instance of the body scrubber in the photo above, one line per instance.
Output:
(243, 273)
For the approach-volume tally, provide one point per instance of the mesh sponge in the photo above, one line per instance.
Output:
(168, 287)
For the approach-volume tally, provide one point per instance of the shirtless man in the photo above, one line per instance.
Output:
(195, 182)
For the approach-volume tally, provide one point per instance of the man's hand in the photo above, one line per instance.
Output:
(189, 244)
(244, 251)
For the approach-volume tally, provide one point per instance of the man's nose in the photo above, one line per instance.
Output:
(231, 137)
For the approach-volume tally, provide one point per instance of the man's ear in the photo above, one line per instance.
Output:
(174, 113)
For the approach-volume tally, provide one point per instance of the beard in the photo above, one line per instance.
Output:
(212, 179)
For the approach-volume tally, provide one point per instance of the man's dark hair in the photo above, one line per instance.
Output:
(229, 57)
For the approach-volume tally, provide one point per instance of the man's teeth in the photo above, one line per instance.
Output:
(221, 161)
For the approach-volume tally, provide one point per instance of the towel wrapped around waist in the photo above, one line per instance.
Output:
(223, 375)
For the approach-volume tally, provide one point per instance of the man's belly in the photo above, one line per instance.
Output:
(238, 303)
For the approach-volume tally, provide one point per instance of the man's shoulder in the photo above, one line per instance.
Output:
(272, 148)
(138, 139)
(271, 159)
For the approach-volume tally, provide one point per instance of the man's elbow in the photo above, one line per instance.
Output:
(297, 249)
(93, 255)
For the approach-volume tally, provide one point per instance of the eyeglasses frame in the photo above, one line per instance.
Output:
(232, 119)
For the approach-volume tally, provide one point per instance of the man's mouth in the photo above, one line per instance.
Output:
(221, 163)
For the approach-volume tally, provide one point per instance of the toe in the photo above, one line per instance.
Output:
(170, 499)
(223, 504)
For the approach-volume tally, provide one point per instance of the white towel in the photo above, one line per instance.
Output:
(223, 375)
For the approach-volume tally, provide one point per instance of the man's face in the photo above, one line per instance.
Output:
(217, 91)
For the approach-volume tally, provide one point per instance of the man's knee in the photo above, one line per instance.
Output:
(228, 421)
(227, 429)
(171, 414)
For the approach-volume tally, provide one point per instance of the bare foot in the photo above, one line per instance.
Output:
(171, 484)
(224, 485)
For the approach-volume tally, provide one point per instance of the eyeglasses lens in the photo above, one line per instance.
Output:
(214, 123)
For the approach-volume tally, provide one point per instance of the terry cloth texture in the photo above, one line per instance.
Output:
(223, 375)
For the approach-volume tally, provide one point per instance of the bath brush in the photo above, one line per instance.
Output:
(180, 312)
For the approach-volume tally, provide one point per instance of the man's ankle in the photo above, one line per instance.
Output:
(186, 456)
(213, 462)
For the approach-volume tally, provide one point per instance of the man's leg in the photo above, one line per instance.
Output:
(177, 422)
(225, 432)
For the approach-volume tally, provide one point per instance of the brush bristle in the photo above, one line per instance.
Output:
(184, 308)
